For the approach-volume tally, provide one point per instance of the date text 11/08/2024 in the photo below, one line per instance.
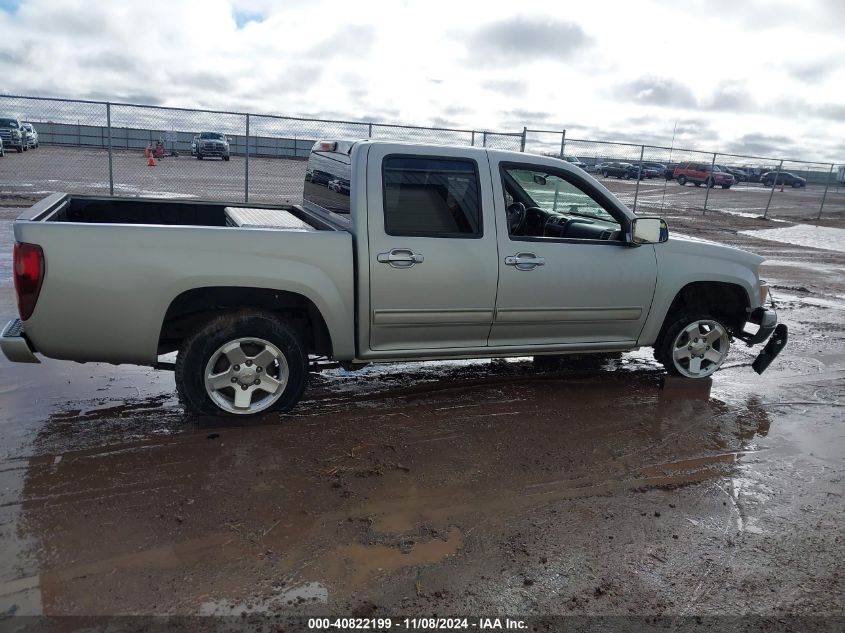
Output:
(429, 624)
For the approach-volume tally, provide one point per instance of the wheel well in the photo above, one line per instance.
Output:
(193, 308)
(724, 301)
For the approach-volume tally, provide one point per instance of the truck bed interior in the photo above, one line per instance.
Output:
(96, 210)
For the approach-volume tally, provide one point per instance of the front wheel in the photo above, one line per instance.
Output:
(241, 364)
(796, 184)
(726, 186)
(694, 346)
(226, 158)
(199, 156)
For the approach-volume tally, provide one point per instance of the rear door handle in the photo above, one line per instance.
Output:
(400, 258)
(525, 261)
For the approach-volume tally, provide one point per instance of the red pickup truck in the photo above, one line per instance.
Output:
(702, 174)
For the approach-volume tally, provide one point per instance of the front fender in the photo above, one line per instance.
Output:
(689, 261)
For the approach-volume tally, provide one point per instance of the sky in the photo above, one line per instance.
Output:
(753, 77)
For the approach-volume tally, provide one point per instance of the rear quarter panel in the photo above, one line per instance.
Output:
(107, 286)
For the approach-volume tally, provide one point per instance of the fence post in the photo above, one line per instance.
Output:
(826, 186)
(473, 138)
(369, 130)
(772, 192)
(484, 139)
(524, 134)
(111, 166)
(639, 177)
(246, 162)
(707, 183)
(562, 142)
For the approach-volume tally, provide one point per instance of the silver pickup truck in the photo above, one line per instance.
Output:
(414, 252)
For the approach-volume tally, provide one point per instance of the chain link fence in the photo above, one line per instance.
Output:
(654, 179)
(152, 151)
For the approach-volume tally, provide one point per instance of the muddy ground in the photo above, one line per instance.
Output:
(475, 487)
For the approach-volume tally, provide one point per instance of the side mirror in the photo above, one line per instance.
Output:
(649, 231)
(539, 180)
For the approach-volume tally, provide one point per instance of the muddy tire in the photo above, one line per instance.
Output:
(692, 344)
(241, 364)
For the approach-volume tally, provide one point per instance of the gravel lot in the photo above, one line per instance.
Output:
(475, 487)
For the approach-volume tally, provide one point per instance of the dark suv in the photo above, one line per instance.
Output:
(13, 134)
(620, 170)
(783, 178)
(702, 174)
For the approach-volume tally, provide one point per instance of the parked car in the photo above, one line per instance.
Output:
(31, 134)
(738, 174)
(340, 185)
(620, 170)
(574, 160)
(783, 178)
(669, 174)
(529, 256)
(212, 144)
(13, 135)
(702, 174)
(654, 170)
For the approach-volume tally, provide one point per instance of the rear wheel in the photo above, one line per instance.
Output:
(726, 186)
(19, 148)
(710, 183)
(796, 184)
(199, 156)
(241, 364)
(682, 180)
(694, 345)
(226, 158)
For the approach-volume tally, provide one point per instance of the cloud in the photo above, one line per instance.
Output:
(349, 39)
(730, 97)
(526, 39)
(761, 144)
(505, 86)
(657, 91)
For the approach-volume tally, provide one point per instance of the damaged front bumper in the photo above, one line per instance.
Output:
(766, 320)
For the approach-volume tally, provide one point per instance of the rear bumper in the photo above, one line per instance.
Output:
(14, 344)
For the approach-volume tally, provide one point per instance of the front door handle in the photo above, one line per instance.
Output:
(400, 258)
(525, 261)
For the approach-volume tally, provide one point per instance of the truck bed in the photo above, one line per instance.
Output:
(115, 266)
(106, 210)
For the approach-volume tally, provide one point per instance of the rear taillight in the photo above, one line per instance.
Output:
(29, 275)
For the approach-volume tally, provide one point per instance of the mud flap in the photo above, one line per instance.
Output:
(776, 343)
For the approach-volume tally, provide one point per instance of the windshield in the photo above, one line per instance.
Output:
(555, 195)
(212, 135)
(9, 123)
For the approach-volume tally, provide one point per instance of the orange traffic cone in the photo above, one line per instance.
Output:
(151, 162)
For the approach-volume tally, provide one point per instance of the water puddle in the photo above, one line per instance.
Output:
(305, 593)
(823, 237)
(377, 558)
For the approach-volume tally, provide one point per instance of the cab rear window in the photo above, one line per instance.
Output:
(327, 181)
